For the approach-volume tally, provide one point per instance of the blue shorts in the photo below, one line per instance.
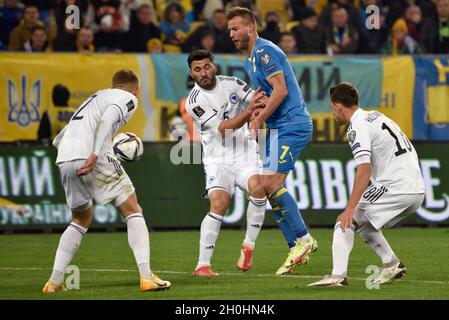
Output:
(284, 144)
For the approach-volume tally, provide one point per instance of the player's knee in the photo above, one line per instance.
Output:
(273, 183)
(257, 191)
(255, 187)
(83, 218)
(129, 206)
(219, 206)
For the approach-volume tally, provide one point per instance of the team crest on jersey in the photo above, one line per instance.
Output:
(130, 105)
(23, 107)
(198, 111)
(234, 98)
(266, 58)
(351, 136)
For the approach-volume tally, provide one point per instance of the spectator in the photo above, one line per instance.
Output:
(427, 7)
(105, 19)
(342, 38)
(288, 43)
(57, 116)
(131, 7)
(210, 7)
(187, 6)
(208, 41)
(85, 41)
(372, 40)
(218, 26)
(21, 34)
(310, 37)
(38, 41)
(297, 7)
(10, 14)
(272, 29)
(174, 26)
(413, 19)
(155, 46)
(46, 8)
(325, 19)
(140, 32)
(434, 35)
(394, 9)
(400, 42)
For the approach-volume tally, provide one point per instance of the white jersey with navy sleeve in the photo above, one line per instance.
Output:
(210, 107)
(376, 139)
(77, 139)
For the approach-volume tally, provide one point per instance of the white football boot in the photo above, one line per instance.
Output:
(331, 281)
(389, 274)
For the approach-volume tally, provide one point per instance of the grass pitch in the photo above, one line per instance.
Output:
(108, 270)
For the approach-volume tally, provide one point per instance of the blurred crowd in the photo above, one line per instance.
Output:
(298, 26)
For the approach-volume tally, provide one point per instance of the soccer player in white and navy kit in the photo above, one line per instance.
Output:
(230, 157)
(384, 156)
(89, 170)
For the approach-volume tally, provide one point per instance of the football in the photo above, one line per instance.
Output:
(127, 147)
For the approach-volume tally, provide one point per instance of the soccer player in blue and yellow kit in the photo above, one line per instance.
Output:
(289, 128)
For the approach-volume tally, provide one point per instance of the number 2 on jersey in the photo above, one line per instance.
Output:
(401, 150)
(76, 116)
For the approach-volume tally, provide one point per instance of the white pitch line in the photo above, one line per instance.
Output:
(224, 274)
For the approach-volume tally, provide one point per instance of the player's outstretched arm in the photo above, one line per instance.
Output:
(258, 100)
(361, 180)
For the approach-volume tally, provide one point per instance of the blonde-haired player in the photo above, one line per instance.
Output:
(89, 170)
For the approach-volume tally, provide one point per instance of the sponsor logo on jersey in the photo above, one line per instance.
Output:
(198, 111)
(266, 58)
(23, 109)
(351, 136)
(239, 82)
(234, 98)
(130, 105)
(246, 88)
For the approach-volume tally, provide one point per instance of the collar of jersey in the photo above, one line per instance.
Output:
(252, 50)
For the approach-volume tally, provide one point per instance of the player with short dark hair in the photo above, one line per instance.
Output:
(230, 157)
(386, 158)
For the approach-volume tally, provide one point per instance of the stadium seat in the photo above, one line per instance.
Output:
(290, 25)
(195, 25)
(170, 48)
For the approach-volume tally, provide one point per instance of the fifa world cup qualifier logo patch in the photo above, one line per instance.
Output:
(24, 109)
